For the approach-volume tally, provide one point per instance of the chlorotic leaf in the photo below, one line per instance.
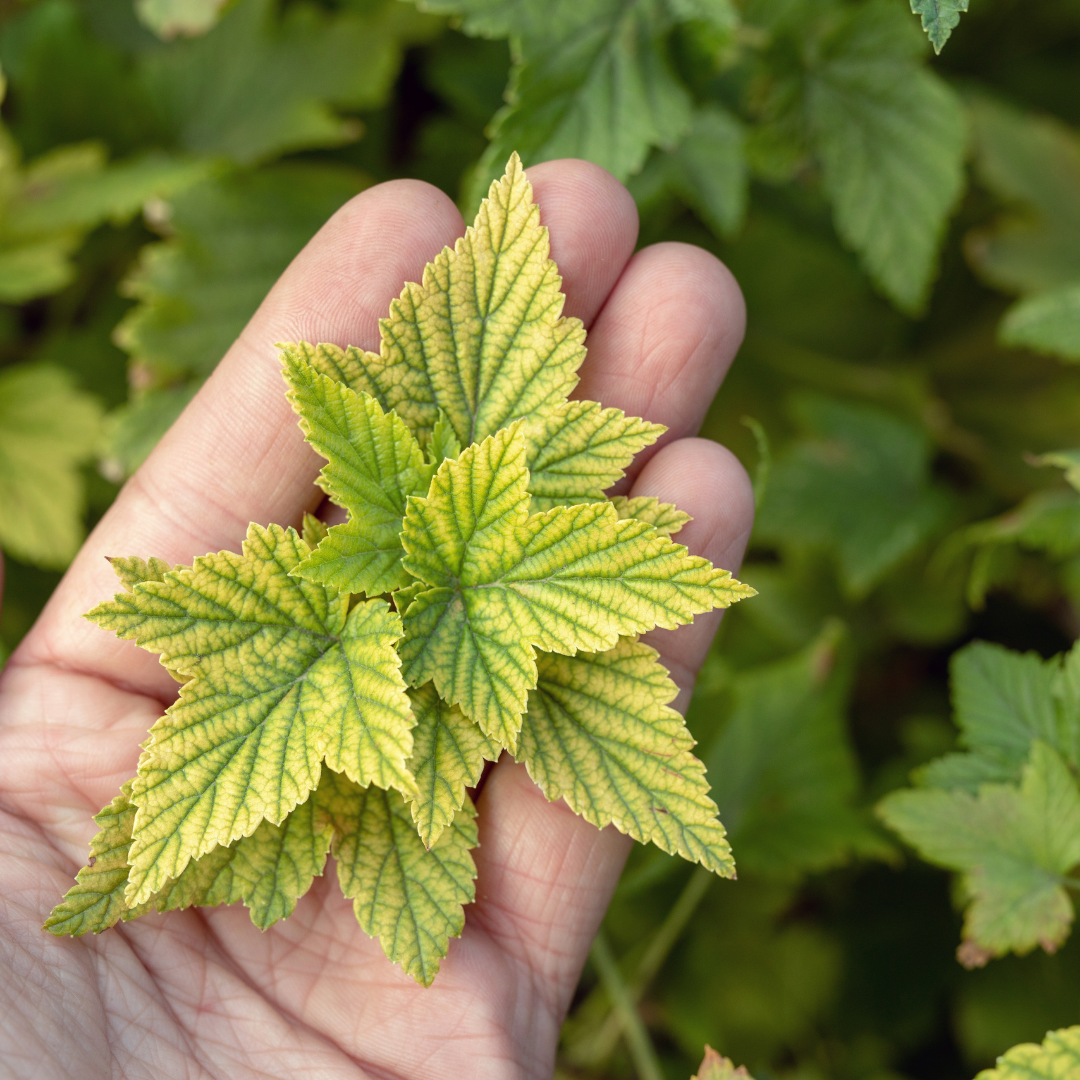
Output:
(132, 570)
(665, 518)
(504, 583)
(268, 870)
(939, 18)
(374, 465)
(891, 137)
(599, 733)
(1056, 1058)
(579, 448)
(716, 1067)
(281, 675)
(1047, 322)
(96, 900)
(1012, 845)
(411, 898)
(448, 756)
(482, 337)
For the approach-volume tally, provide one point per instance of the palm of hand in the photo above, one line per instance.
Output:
(204, 993)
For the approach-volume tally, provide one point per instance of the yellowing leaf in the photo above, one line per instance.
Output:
(96, 900)
(579, 448)
(483, 337)
(599, 733)
(374, 464)
(504, 583)
(448, 756)
(1013, 844)
(663, 517)
(268, 870)
(410, 898)
(281, 675)
(1056, 1058)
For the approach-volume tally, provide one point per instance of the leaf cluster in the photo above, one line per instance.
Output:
(341, 689)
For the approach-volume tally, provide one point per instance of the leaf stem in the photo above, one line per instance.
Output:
(637, 1038)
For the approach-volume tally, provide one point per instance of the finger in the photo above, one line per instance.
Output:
(236, 455)
(545, 874)
(709, 482)
(664, 340)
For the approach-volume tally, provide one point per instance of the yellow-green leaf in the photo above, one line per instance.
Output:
(1056, 1058)
(373, 465)
(482, 337)
(504, 583)
(96, 900)
(663, 517)
(448, 756)
(599, 734)
(579, 448)
(410, 898)
(281, 675)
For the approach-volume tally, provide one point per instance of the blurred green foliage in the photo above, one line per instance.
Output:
(906, 231)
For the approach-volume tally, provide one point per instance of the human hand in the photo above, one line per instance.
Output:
(203, 992)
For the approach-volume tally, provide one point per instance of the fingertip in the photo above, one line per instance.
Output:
(593, 222)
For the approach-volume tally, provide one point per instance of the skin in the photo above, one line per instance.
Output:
(203, 993)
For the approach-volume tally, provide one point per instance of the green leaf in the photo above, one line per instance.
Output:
(47, 207)
(47, 429)
(96, 900)
(782, 767)
(579, 448)
(411, 898)
(1047, 322)
(374, 465)
(482, 338)
(282, 675)
(859, 488)
(1013, 845)
(1057, 1058)
(599, 734)
(707, 170)
(716, 1067)
(1003, 702)
(261, 84)
(591, 80)
(504, 583)
(173, 18)
(229, 239)
(448, 756)
(939, 18)
(1032, 162)
(891, 137)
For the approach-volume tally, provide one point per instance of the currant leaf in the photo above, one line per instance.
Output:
(281, 675)
(373, 465)
(599, 733)
(504, 583)
(410, 898)
(448, 756)
(483, 336)
(579, 448)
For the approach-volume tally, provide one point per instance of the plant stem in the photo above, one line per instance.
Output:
(596, 1047)
(637, 1038)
